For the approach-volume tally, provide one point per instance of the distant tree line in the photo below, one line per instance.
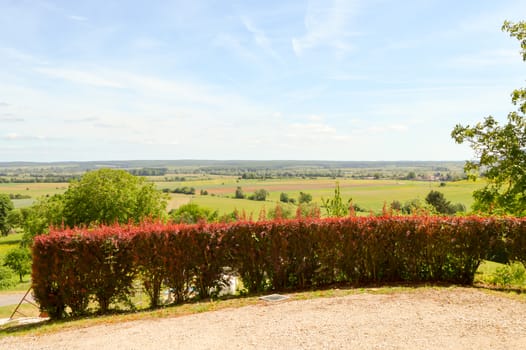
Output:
(149, 171)
(38, 178)
(182, 190)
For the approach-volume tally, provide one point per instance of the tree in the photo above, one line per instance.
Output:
(19, 260)
(283, 197)
(46, 212)
(108, 196)
(335, 205)
(304, 198)
(439, 202)
(239, 193)
(500, 150)
(6, 205)
(259, 195)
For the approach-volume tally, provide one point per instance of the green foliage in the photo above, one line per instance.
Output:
(7, 278)
(283, 197)
(500, 151)
(107, 196)
(6, 205)
(19, 260)
(335, 206)
(415, 206)
(182, 190)
(46, 212)
(439, 202)
(192, 213)
(259, 195)
(239, 193)
(304, 198)
(513, 274)
(396, 205)
(15, 218)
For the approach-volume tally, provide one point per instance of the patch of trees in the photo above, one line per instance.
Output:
(435, 202)
(259, 195)
(182, 190)
(38, 178)
(19, 196)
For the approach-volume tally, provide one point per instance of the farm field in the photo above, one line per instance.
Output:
(368, 194)
(35, 190)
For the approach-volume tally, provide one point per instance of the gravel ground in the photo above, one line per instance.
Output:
(455, 318)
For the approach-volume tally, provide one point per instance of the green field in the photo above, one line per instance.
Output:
(368, 194)
(35, 190)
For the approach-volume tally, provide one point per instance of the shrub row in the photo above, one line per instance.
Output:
(73, 267)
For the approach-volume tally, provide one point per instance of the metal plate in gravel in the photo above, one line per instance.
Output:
(274, 297)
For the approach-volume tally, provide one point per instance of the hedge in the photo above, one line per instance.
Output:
(73, 267)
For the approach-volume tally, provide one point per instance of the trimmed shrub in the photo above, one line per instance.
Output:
(73, 267)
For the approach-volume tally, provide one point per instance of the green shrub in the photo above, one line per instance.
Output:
(513, 274)
(7, 278)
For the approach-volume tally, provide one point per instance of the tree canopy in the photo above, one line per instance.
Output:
(108, 196)
(6, 205)
(500, 150)
(104, 196)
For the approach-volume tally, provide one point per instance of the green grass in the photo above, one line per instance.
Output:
(496, 274)
(368, 194)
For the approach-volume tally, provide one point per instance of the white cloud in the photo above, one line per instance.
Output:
(326, 26)
(78, 76)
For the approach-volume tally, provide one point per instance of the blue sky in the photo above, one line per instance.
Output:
(324, 80)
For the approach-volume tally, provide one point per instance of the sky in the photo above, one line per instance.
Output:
(262, 80)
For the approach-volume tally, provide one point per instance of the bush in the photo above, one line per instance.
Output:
(19, 260)
(7, 278)
(510, 274)
(72, 267)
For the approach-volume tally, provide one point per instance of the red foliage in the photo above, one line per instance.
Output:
(71, 267)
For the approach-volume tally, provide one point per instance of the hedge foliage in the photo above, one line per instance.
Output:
(75, 266)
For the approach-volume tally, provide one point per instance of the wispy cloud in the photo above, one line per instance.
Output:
(260, 37)
(17, 55)
(232, 43)
(4, 104)
(326, 26)
(77, 18)
(78, 76)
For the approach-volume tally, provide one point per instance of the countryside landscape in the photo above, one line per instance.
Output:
(283, 175)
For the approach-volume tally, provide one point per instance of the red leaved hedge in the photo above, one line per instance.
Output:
(73, 267)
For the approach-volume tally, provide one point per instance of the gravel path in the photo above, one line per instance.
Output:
(13, 298)
(455, 318)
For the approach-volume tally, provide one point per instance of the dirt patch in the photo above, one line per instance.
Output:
(456, 318)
